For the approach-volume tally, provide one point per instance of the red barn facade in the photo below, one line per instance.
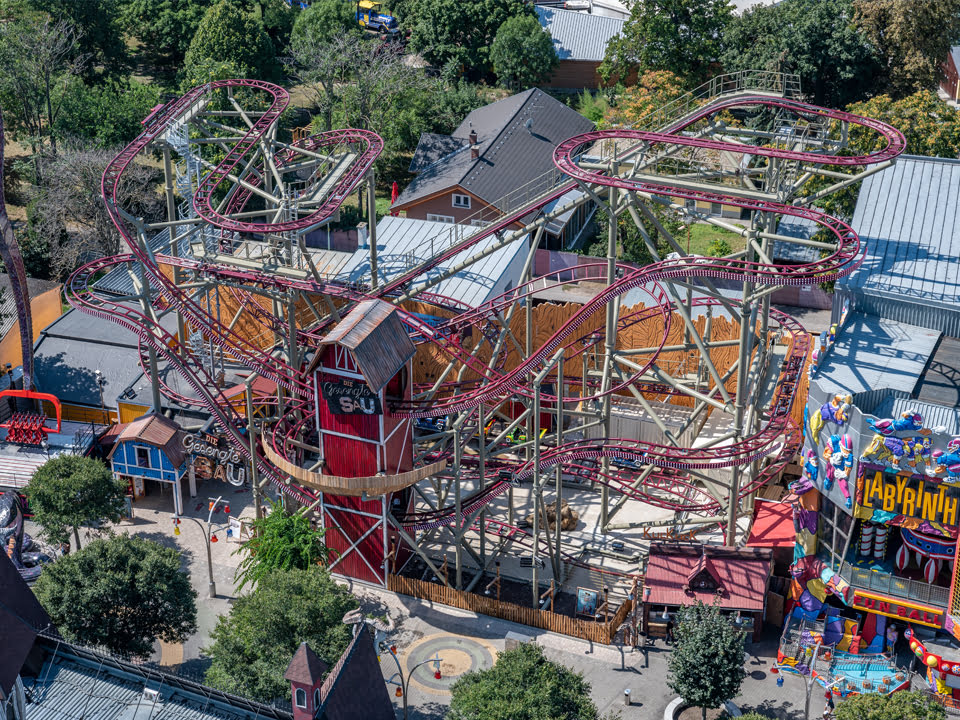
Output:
(363, 367)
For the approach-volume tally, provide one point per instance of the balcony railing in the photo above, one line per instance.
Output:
(898, 587)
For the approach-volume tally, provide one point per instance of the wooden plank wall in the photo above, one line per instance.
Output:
(597, 632)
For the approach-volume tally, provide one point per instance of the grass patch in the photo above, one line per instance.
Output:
(703, 234)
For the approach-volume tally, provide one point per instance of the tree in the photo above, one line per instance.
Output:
(633, 244)
(522, 685)
(522, 53)
(912, 39)
(107, 114)
(120, 593)
(71, 490)
(228, 34)
(69, 214)
(315, 59)
(898, 706)
(253, 645)
(99, 35)
(706, 667)
(638, 104)
(813, 38)
(38, 57)
(461, 33)
(681, 36)
(929, 125)
(165, 27)
(280, 541)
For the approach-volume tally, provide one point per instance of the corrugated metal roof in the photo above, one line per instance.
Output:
(510, 153)
(376, 337)
(742, 573)
(120, 282)
(908, 217)
(801, 228)
(873, 353)
(8, 306)
(579, 36)
(402, 242)
(558, 222)
(159, 431)
(72, 689)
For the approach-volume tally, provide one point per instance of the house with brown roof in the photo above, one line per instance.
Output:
(149, 451)
(497, 151)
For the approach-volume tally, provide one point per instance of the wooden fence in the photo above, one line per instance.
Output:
(596, 631)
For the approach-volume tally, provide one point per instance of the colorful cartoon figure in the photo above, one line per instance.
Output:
(811, 468)
(839, 456)
(836, 411)
(887, 449)
(906, 422)
(833, 334)
(814, 361)
(949, 461)
(918, 450)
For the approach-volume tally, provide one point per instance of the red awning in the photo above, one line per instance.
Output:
(772, 525)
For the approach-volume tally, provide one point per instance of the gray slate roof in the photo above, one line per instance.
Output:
(909, 217)
(433, 147)
(510, 153)
(872, 354)
(577, 35)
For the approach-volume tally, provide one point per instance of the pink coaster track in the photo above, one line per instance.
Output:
(777, 439)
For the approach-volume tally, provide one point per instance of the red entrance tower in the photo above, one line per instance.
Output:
(362, 367)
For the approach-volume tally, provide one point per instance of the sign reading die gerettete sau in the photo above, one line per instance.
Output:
(347, 397)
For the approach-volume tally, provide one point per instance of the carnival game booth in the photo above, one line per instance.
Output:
(148, 456)
(826, 648)
(680, 574)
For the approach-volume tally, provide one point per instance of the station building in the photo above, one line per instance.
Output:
(878, 512)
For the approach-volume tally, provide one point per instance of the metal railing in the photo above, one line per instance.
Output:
(896, 586)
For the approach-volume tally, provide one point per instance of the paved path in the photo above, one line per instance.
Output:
(463, 640)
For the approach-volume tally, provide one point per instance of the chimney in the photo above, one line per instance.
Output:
(474, 151)
(305, 674)
(473, 137)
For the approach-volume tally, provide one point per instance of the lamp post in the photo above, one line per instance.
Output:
(207, 535)
(403, 683)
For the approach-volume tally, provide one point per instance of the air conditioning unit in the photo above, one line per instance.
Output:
(152, 696)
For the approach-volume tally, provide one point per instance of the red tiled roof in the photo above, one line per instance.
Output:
(741, 573)
(772, 525)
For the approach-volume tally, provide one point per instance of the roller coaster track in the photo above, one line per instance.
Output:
(775, 441)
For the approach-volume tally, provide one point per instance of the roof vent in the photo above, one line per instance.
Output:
(529, 125)
(152, 696)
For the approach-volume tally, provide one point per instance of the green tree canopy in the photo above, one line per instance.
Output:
(108, 114)
(165, 27)
(280, 541)
(638, 104)
(97, 22)
(680, 36)
(813, 38)
(461, 33)
(522, 685)
(912, 39)
(898, 706)
(522, 53)
(706, 667)
(120, 593)
(322, 21)
(69, 491)
(229, 34)
(253, 645)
